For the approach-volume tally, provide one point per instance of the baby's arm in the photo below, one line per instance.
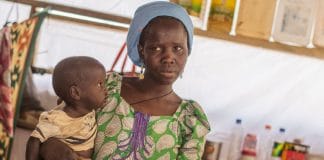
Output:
(54, 149)
(85, 154)
(32, 151)
(45, 146)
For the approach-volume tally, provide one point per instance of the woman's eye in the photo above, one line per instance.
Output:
(178, 49)
(155, 49)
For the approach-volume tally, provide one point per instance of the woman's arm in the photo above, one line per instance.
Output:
(54, 149)
(194, 127)
(192, 148)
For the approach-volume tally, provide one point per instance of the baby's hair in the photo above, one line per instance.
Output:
(72, 71)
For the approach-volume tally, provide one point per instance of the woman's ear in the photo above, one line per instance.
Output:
(75, 92)
(140, 51)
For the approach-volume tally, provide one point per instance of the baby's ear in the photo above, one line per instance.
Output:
(75, 92)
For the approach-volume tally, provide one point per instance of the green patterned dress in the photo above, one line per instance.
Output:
(180, 136)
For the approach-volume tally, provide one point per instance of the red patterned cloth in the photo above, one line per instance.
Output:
(6, 116)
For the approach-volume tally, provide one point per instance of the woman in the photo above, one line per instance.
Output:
(145, 118)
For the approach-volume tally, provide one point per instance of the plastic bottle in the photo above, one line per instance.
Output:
(249, 147)
(265, 144)
(278, 143)
(236, 141)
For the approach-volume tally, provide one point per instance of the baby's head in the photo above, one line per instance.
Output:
(80, 81)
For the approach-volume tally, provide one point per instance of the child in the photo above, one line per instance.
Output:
(79, 82)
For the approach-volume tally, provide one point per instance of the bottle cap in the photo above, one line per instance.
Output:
(238, 121)
(248, 153)
(282, 130)
(298, 141)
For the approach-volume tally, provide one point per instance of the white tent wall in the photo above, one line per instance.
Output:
(125, 8)
(258, 85)
(19, 12)
(229, 80)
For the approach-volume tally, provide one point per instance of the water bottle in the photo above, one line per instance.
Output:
(236, 141)
(265, 144)
(278, 144)
(249, 147)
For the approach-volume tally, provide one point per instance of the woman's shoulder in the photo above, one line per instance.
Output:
(191, 107)
(113, 81)
(192, 111)
(113, 76)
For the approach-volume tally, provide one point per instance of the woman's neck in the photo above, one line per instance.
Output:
(150, 85)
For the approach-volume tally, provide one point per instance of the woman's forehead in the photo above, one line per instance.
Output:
(161, 23)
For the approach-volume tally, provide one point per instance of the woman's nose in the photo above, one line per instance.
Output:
(168, 57)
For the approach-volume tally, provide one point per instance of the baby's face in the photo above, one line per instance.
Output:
(95, 92)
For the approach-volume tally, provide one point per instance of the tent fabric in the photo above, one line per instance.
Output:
(124, 8)
(19, 13)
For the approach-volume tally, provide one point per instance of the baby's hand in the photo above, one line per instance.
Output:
(54, 149)
(59, 101)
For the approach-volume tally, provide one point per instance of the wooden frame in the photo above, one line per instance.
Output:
(294, 21)
(198, 10)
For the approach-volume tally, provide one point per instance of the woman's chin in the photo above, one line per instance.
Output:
(168, 77)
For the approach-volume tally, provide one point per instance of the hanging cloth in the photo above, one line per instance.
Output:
(22, 38)
(6, 115)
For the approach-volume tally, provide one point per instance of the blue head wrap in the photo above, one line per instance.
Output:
(144, 14)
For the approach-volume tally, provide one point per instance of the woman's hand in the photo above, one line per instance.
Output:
(53, 149)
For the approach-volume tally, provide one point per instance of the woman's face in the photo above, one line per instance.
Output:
(164, 50)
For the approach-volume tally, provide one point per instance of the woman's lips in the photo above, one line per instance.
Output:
(168, 73)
